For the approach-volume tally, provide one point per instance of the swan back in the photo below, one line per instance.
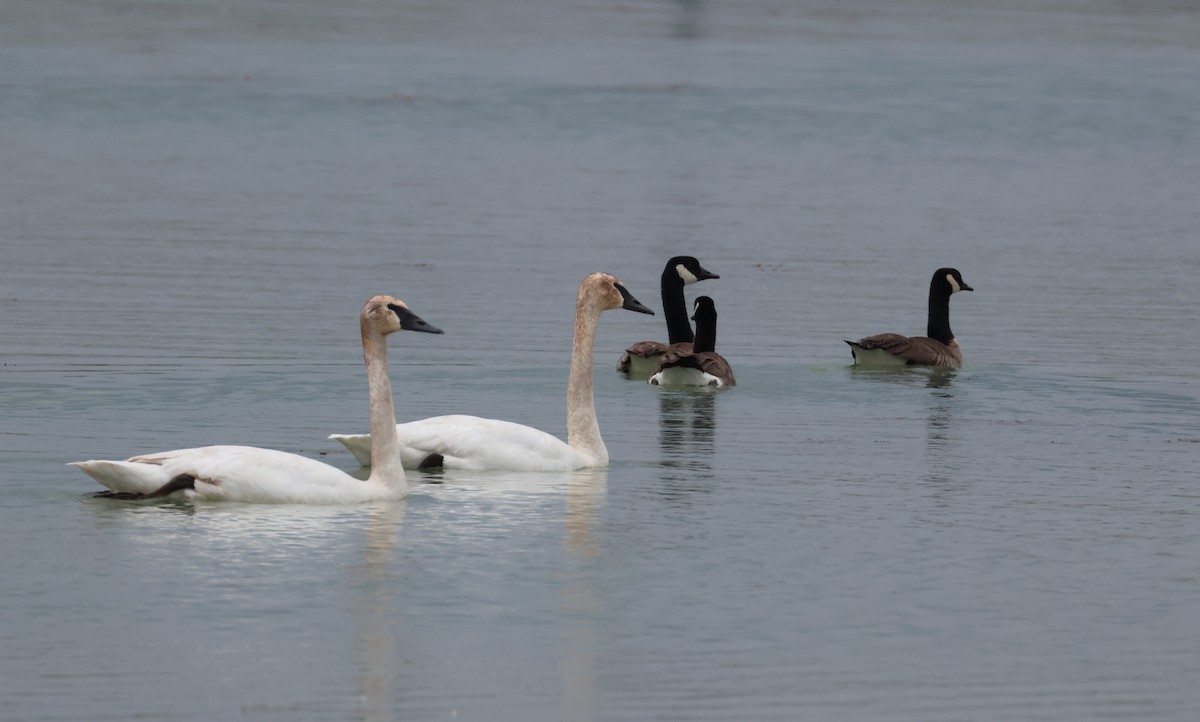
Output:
(250, 474)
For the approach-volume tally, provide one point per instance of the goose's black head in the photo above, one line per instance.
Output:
(704, 309)
(948, 281)
(685, 269)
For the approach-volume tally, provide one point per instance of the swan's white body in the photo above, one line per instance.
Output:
(476, 444)
(471, 442)
(251, 474)
(238, 473)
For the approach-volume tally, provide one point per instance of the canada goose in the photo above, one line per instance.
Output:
(938, 349)
(246, 473)
(702, 365)
(642, 357)
(470, 442)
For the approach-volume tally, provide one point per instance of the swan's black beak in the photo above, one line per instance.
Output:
(632, 303)
(703, 274)
(410, 321)
(964, 287)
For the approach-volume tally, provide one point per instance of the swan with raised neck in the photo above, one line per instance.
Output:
(470, 442)
(252, 474)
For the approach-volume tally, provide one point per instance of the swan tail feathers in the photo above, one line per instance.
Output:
(357, 444)
(124, 476)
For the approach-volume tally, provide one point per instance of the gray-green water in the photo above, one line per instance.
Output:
(197, 197)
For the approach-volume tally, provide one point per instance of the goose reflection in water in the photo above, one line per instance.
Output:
(930, 377)
(943, 401)
(686, 436)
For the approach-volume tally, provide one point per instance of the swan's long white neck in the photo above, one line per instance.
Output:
(583, 431)
(386, 468)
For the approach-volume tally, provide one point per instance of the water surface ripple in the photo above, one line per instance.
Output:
(198, 197)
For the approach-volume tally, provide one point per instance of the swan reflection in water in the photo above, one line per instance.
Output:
(292, 546)
(278, 545)
(584, 543)
(584, 493)
(377, 612)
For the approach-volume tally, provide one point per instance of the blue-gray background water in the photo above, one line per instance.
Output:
(197, 197)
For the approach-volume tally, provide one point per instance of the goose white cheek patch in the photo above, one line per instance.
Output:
(687, 276)
(954, 287)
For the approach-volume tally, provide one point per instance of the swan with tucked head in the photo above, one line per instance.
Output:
(251, 474)
(471, 442)
(937, 349)
(640, 358)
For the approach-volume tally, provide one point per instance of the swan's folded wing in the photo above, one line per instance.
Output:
(246, 473)
(146, 473)
(471, 442)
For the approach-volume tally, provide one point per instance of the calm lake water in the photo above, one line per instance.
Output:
(197, 197)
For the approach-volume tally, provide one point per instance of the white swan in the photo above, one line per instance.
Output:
(469, 442)
(247, 473)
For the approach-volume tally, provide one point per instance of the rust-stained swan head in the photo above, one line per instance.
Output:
(388, 314)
